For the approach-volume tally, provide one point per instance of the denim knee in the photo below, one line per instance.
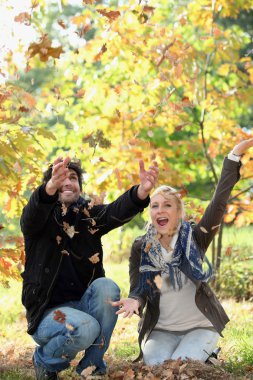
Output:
(86, 333)
(107, 287)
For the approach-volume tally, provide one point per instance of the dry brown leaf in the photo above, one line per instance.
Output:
(94, 258)
(88, 371)
(70, 230)
(64, 209)
(24, 18)
(44, 49)
(65, 252)
(203, 230)
(111, 15)
(93, 222)
(59, 316)
(158, 281)
(147, 247)
(69, 327)
(100, 53)
(129, 374)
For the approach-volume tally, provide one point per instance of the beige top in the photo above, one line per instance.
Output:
(178, 310)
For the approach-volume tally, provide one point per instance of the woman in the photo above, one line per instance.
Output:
(183, 318)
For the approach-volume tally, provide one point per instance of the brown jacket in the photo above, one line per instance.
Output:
(205, 298)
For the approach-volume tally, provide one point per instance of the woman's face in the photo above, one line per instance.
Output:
(165, 213)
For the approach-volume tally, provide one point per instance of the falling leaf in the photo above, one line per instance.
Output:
(69, 327)
(203, 230)
(228, 251)
(59, 316)
(158, 281)
(23, 109)
(62, 23)
(80, 93)
(23, 18)
(88, 370)
(182, 192)
(147, 247)
(44, 49)
(101, 52)
(58, 239)
(95, 258)
(111, 15)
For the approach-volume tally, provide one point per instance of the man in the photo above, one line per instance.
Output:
(67, 298)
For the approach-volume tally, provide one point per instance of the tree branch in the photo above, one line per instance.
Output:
(241, 192)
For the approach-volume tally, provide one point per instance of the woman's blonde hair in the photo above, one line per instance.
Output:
(166, 191)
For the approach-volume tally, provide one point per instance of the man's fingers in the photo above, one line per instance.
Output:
(141, 165)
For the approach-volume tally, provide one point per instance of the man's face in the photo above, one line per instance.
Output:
(70, 190)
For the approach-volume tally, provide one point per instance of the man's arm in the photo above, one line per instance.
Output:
(35, 213)
(125, 207)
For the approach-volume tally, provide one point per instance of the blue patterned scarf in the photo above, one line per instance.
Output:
(186, 255)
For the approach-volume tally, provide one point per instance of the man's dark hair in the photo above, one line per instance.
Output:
(74, 165)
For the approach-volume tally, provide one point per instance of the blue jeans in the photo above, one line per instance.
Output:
(197, 344)
(88, 326)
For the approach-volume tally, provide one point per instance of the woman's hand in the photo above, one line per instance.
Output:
(241, 148)
(128, 306)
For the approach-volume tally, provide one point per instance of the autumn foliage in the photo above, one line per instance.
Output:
(111, 85)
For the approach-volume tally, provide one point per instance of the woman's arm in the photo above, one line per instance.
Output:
(135, 301)
(211, 220)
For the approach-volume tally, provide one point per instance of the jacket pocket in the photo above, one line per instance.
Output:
(30, 294)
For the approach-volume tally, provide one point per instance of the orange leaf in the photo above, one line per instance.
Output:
(44, 49)
(111, 15)
(62, 23)
(94, 259)
(24, 18)
(101, 52)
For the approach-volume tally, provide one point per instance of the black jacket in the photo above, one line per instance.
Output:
(46, 243)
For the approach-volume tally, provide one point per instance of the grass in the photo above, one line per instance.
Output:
(237, 345)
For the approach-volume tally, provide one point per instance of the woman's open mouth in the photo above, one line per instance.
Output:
(162, 221)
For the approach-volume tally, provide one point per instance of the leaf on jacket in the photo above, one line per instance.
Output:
(147, 247)
(95, 258)
(158, 281)
(88, 371)
(76, 210)
(65, 252)
(69, 327)
(92, 231)
(214, 227)
(203, 230)
(58, 239)
(64, 209)
(59, 316)
(102, 343)
(86, 212)
(93, 222)
(70, 230)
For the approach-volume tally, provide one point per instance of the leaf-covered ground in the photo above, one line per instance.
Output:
(16, 363)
